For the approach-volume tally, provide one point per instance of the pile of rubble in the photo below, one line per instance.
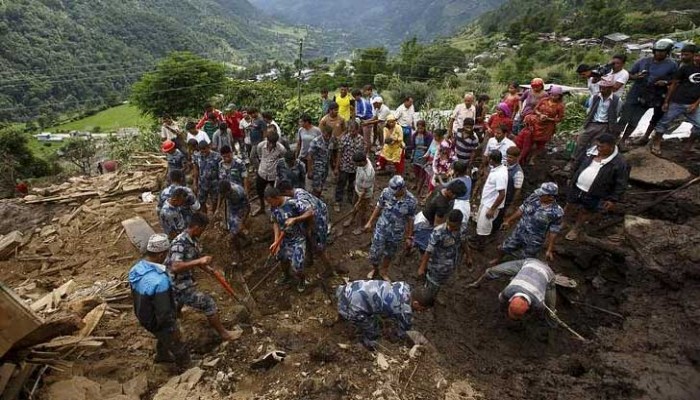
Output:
(54, 311)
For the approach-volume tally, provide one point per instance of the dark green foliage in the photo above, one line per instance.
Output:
(370, 62)
(60, 56)
(180, 85)
(17, 160)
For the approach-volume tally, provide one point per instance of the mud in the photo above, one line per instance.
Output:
(474, 351)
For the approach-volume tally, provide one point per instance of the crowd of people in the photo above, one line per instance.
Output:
(472, 169)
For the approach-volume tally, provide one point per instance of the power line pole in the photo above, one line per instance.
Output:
(301, 47)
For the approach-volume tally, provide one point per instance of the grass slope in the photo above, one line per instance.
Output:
(109, 120)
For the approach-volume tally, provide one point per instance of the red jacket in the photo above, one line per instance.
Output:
(205, 118)
(233, 120)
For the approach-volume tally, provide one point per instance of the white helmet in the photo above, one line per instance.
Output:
(663, 45)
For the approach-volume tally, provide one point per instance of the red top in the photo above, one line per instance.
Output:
(233, 120)
(496, 119)
(205, 118)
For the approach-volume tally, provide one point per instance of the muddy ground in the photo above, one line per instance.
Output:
(652, 352)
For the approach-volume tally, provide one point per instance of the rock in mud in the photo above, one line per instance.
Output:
(652, 170)
(76, 388)
(462, 390)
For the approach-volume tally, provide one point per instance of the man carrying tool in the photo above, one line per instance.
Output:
(154, 302)
(186, 255)
(177, 180)
(361, 302)
(540, 222)
(176, 159)
(443, 253)
(172, 216)
(532, 286)
(316, 229)
(237, 211)
(289, 246)
(394, 215)
(232, 168)
(206, 175)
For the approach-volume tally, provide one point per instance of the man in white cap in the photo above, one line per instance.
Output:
(154, 302)
(394, 215)
(539, 222)
(380, 112)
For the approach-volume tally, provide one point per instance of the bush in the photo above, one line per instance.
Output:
(288, 116)
(17, 160)
(421, 92)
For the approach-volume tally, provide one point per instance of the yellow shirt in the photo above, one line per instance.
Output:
(392, 152)
(343, 106)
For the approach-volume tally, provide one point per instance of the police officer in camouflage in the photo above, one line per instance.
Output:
(237, 211)
(177, 180)
(319, 159)
(185, 255)
(288, 216)
(540, 222)
(445, 249)
(232, 168)
(206, 175)
(394, 215)
(363, 302)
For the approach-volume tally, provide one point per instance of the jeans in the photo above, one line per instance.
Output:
(346, 183)
(260, 185)
(676, 110)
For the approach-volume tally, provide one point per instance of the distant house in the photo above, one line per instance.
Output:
(614, 39)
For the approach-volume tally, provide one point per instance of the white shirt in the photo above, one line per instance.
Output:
(404, 116)
(622, 76)
(169, 132)
(588, 175)
(460, 113)
(382, 113)
(279, 130)
(601, 113)
(364, 179)
(201, 135)
(501, 146)
(495, 182)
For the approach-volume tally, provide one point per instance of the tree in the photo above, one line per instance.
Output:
(80, 152)
(180, 85)
(370, 62)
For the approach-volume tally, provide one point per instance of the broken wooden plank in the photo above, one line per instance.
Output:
(6, 371)
(60, 325)
(16, 319)
(64, 341)
(92, 319)
(52, 299)
(138, 231)
(9, 243)
(14, 387)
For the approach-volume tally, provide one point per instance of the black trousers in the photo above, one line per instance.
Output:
(346, 182)
(260, 185)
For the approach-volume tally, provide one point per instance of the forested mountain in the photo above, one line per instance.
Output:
(380, 22)
(590, 18)
(61, 55)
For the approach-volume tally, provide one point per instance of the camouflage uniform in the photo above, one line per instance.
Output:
(191, 204)
(391, 225)
(208, 175)
(293, 247)
(321, 218)
(445, 250)
(172, 219)
(320, 152)
(236, 172)
(295, 174)
(176, 160)
(360, 302)
(237, 210)
(185, 248)
(530, 234)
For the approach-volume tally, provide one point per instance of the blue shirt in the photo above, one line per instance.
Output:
(444, 247)
(656, 71)
(538, 219)
(363, 109)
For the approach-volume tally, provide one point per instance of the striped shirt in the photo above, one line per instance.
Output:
(532, 280)
(465, 147)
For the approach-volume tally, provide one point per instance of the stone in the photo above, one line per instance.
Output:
(136, 386)
(652, 170)
(382, 362)
(110, 388)
(462, 390)
(76, 388)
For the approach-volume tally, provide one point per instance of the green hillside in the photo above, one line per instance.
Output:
(58, 55)
(109, 120)
(387, 23)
